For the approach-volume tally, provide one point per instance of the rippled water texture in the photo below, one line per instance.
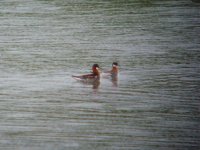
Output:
(154, 104)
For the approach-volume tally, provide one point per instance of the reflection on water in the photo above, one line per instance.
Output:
(154, 102)
(115, 81)
(94, 84)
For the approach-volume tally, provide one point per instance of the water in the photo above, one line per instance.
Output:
(153, 105)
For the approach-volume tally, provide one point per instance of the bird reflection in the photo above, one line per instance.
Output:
(114, 80)
(94, 83)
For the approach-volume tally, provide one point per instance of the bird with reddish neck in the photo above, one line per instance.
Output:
(95, 75)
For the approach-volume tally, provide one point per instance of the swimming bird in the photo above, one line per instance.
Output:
(95, 75)
(114, 71)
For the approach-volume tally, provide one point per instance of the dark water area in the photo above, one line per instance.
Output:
(155, 102)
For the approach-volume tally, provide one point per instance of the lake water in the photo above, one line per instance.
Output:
(154, 104)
